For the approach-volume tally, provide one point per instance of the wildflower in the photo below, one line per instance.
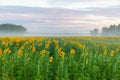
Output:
(86, 53)
(3, 59)
(3, 43)
(31, 46)
(86, 61)
(0, 51)
(59, 50)
(56, 43)
(82, 46)
(42, 52)
(47, 46)
(39, 44)
(51, 59)
(17, 44)
(25, 54)
(83, 54)
(62, 54)
(33, 49)
(64, 44)
(29, 59)
(117, 49)
(72, 51)
(19, 52)
(105, 52)
(7, 50)
(112, 53)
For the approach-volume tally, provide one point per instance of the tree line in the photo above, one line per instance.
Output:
(12, 28)
(112, 30)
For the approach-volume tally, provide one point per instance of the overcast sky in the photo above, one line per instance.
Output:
(60, 15)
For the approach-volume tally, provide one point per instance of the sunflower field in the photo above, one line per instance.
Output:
(60, 58)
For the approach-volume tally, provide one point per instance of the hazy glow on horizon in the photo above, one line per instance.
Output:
(71, 4)
(84, 14)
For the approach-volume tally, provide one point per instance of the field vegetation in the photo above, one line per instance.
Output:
(59, 58)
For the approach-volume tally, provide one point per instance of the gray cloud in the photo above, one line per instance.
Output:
(59, 19)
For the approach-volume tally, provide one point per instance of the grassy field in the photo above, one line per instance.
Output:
(59, 58)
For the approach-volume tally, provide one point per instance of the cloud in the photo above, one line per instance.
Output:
(59, 20)
(69, 4)
(32, 3)
(79, 4)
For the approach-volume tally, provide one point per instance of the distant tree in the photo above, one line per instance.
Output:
(12, 28)
(118, 30)
(111, 30)
(104, 31)
(94, 32)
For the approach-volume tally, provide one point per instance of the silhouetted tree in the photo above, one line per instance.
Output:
(12, 28)
(94, 32)
(104, 31)
(112, 30)
(118, 29)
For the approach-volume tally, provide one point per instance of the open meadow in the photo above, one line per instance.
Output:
(59, 58)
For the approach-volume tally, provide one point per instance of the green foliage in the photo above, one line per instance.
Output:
(94, 32)
(112, 30)
(12, 28)
(21, 58)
